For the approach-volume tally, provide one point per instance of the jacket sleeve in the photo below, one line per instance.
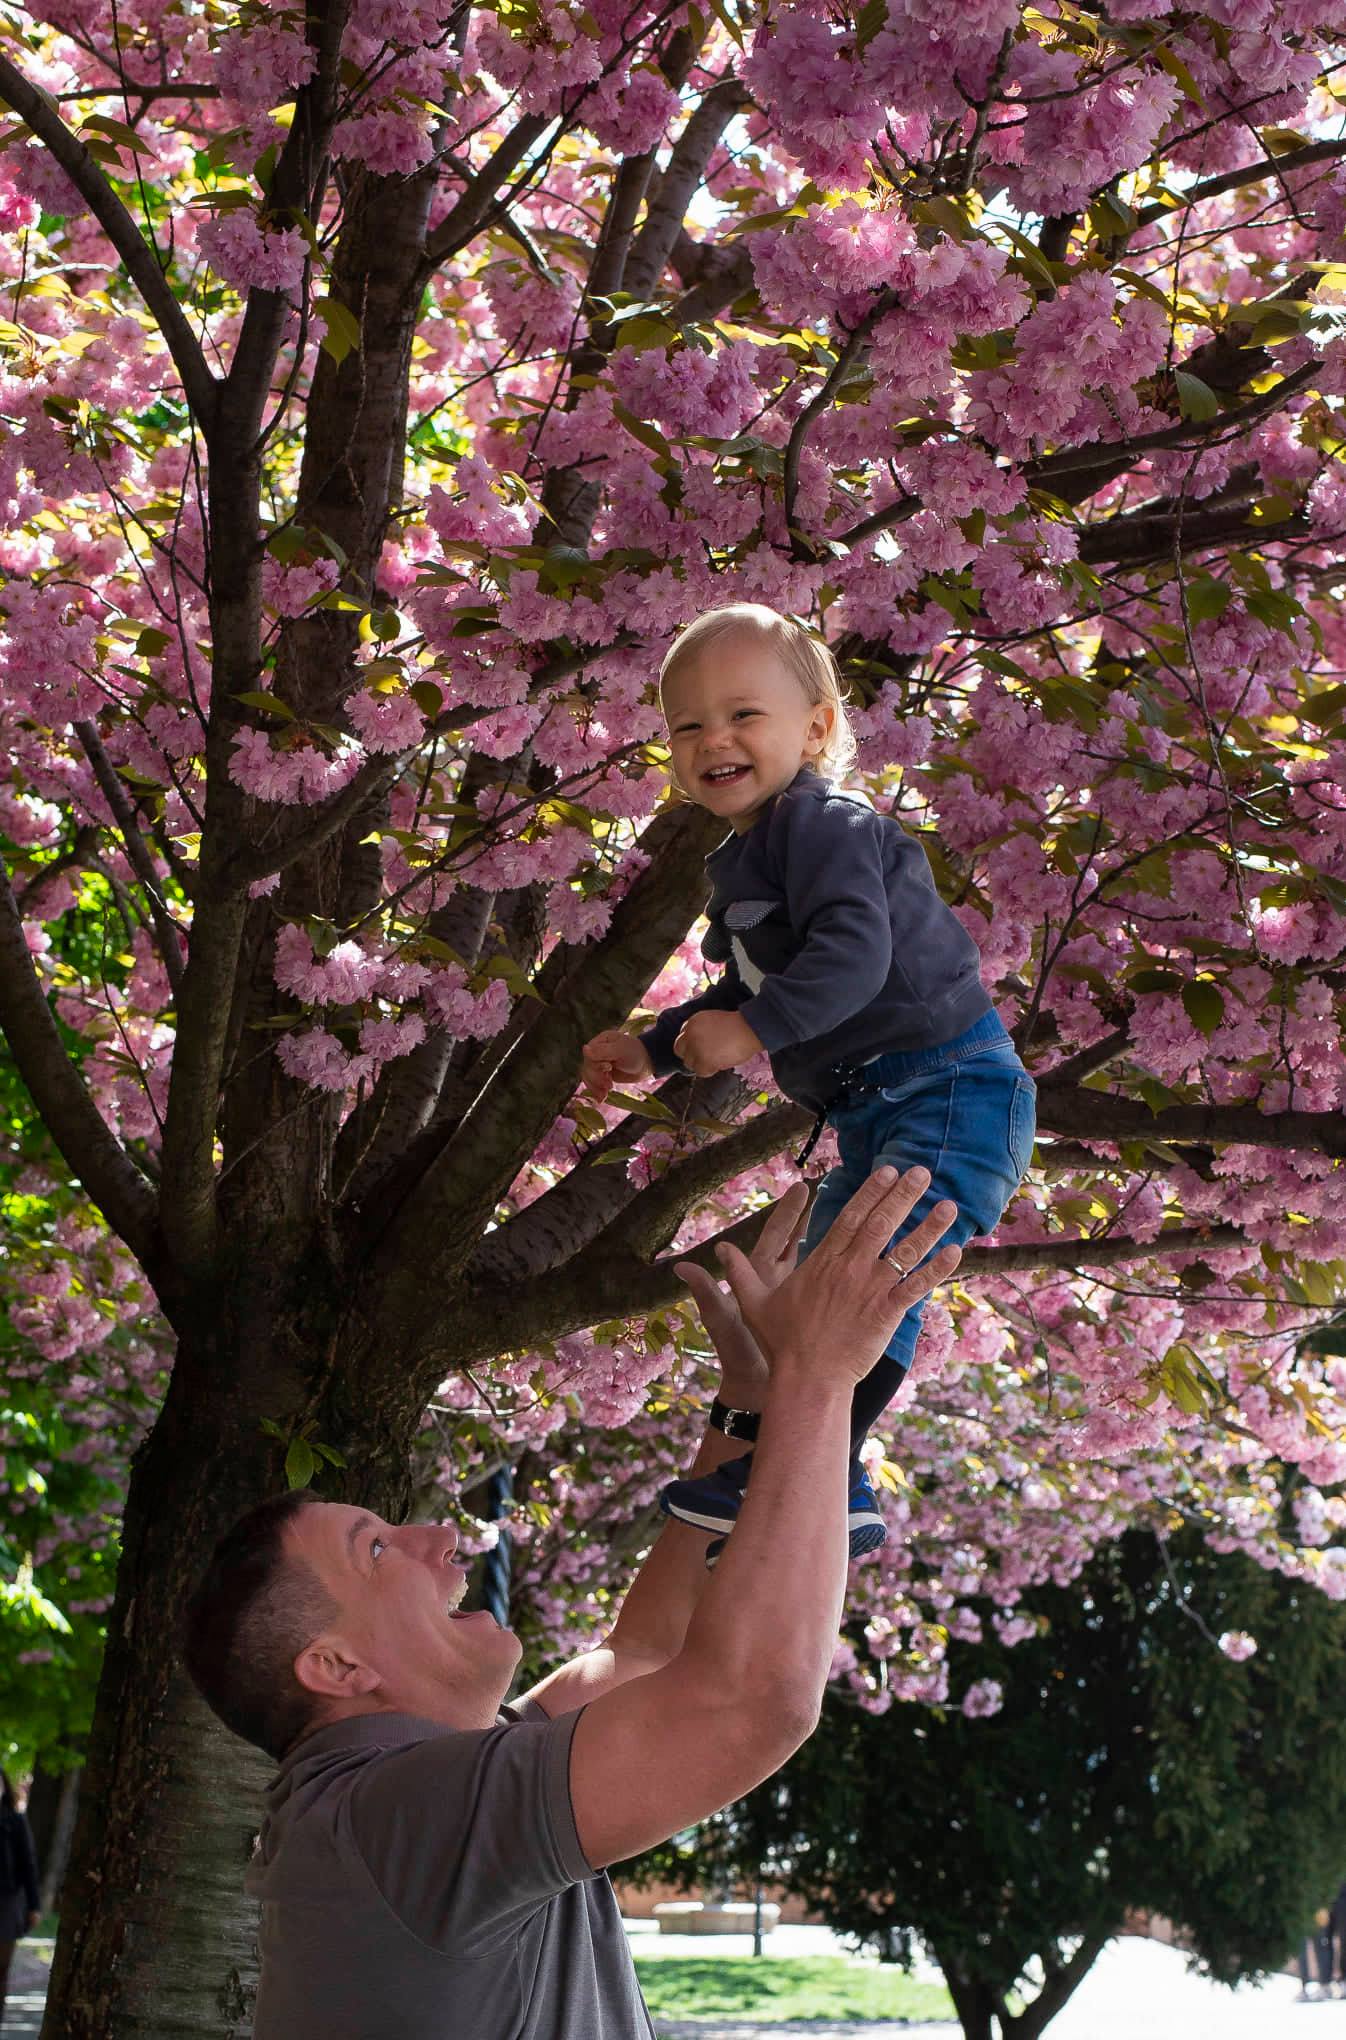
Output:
(830, 859)
(726, 995)
(23, 1836)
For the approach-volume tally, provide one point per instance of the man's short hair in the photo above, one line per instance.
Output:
(251, 1615)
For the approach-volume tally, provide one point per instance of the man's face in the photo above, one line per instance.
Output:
(398, 1622)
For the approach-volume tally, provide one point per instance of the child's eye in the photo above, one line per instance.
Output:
(740, 713)
(686, 729)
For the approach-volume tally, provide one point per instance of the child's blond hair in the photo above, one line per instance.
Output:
(807, 656)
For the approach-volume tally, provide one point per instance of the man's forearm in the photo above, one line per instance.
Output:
(771, 1610)
(663, 1595)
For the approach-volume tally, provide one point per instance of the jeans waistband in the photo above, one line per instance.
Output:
(902, 1064)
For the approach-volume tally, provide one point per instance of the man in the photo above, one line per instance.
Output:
(430, 1864)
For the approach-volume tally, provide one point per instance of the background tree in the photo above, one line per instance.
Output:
(381, 387)
(1132, 1767)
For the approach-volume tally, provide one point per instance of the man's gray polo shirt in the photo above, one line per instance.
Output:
(423, 1883)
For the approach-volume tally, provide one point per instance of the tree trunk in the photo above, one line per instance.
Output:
(170, 1800)
(974, 2001)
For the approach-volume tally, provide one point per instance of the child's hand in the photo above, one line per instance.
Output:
(710, 1042)
(615, 1057)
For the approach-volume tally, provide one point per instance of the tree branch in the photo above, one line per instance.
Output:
(1233, 180)
(114, 793)
(1105, 1115)
(593, 1288)
(572, 1214)
(478, 195)
(1139, 539)
(668, 205)
(39, 115)
(74, 1122)
(443, 1218)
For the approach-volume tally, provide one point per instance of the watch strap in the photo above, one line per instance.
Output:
(735, 1423)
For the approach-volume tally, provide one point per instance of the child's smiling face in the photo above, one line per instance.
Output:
(740, 726)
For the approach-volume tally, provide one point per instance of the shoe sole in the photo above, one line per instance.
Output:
(866, 1535)
(700, 1519)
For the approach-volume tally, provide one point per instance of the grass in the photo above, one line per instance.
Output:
(782, 1988)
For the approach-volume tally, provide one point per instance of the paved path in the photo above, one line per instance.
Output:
(27, 1990)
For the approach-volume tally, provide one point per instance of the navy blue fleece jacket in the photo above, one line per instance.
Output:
(836, 946)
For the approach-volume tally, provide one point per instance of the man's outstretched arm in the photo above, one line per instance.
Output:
(651, 1626)
(661, 1752)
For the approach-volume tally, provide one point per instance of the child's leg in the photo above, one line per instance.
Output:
(971, 1125)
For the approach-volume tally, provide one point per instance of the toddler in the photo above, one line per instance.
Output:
(842, 962)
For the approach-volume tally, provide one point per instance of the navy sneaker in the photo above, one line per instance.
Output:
(713, 1550)
(867, 1527)
(711, 1503)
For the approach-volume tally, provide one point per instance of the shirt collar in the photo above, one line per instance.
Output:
(363, 1732)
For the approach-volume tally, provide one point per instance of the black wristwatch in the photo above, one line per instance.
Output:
(735, 1423)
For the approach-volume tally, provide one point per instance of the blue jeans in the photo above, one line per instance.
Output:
(967, 1112)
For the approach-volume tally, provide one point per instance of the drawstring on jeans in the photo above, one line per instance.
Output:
(811, 1143)
(850, 1089)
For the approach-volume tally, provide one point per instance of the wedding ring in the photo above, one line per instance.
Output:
(899, 1266)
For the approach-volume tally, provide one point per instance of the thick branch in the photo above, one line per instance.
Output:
(1137, 540)
(114, 793)
(39, 114)
(686, 167)
(713, 277)
(295, 186)
(74, 1122)
(1110, 456)
(594, 1288)
(572, 1214)
(1087, 1060)
(1104, 1115)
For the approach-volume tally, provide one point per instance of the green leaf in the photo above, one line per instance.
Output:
(1179, 72)
(267, 704)
(646, 1108)
(640, 428)
(343, 328)
(151, 642)
(1207, 597)
(1196, 399)
(117, 131)
(1203, 1003)
(1274, 607)
(428, 697)
(301, 1463)
(870, 20)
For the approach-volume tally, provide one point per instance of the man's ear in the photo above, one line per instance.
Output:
(323, 1667)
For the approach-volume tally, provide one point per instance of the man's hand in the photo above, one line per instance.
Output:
(710, 1042)
(848, 1281)
(744, 1372)
(615, 1057)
